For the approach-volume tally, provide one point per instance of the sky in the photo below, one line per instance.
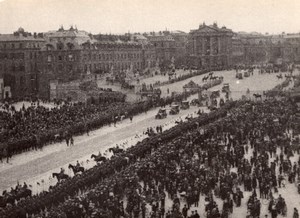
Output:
(122, 16)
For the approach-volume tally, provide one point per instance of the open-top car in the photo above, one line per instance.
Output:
(174, 109)
(239, 76)
(161, 114)
(185, 105)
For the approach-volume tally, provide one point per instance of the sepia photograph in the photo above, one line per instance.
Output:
(149, 108)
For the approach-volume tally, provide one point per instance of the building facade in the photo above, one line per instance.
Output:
(291, 48)
(29, 62)
(20, 62)
(210, 46)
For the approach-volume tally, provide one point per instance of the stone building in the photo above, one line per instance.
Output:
(256, 49)
(210, 46)
(164, 46)
(170, 46)
(20, 59)
(291, 48)
(29, 62)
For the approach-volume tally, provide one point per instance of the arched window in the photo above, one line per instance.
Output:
(70, 45)
(49, 58)
(60, 46)
(22, 81)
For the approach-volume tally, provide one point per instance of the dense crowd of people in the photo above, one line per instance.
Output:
(242, 147)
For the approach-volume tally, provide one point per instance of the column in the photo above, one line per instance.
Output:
(203, 46)
(219, 45)
(211, 45)
(195, 47)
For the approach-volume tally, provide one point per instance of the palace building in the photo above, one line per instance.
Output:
(210, 46)
(29, 62)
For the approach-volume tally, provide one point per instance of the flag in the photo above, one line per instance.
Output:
(38, 183)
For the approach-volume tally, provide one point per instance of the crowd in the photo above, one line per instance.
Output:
(35, 126)
(242, 147)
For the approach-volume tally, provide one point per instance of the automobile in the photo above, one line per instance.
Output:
(246, 74)
(239, 76)
(161, 114)
(215, 94)
(225, 87)
(185, 105)
(174, 109)
(195, 102)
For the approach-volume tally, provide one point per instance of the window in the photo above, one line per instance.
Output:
(21, 67)
(13, 68)
(70, 57)
(60, 67)
(60, 46)
(20, 45)
(60, 58)
(12, 45)
(21, 81)
(49, 58)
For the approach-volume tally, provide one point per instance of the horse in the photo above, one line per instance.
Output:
(213, 77)
(256, 95)
(287, 76)
(76, 169)
(60, 176)
(279, 76)
(205, 78)
(116, 150)
(98, 158)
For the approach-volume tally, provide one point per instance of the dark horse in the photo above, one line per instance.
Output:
(205, 78)
(256, 95)
(279, 76)
(116, 150)
(98, 158)
(60, 176)
(76, 169)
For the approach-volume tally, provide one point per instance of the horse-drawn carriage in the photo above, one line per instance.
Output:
(161, 114)
(174, 109)
(185, 105)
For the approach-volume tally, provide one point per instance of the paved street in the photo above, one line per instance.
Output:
(34, 166)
